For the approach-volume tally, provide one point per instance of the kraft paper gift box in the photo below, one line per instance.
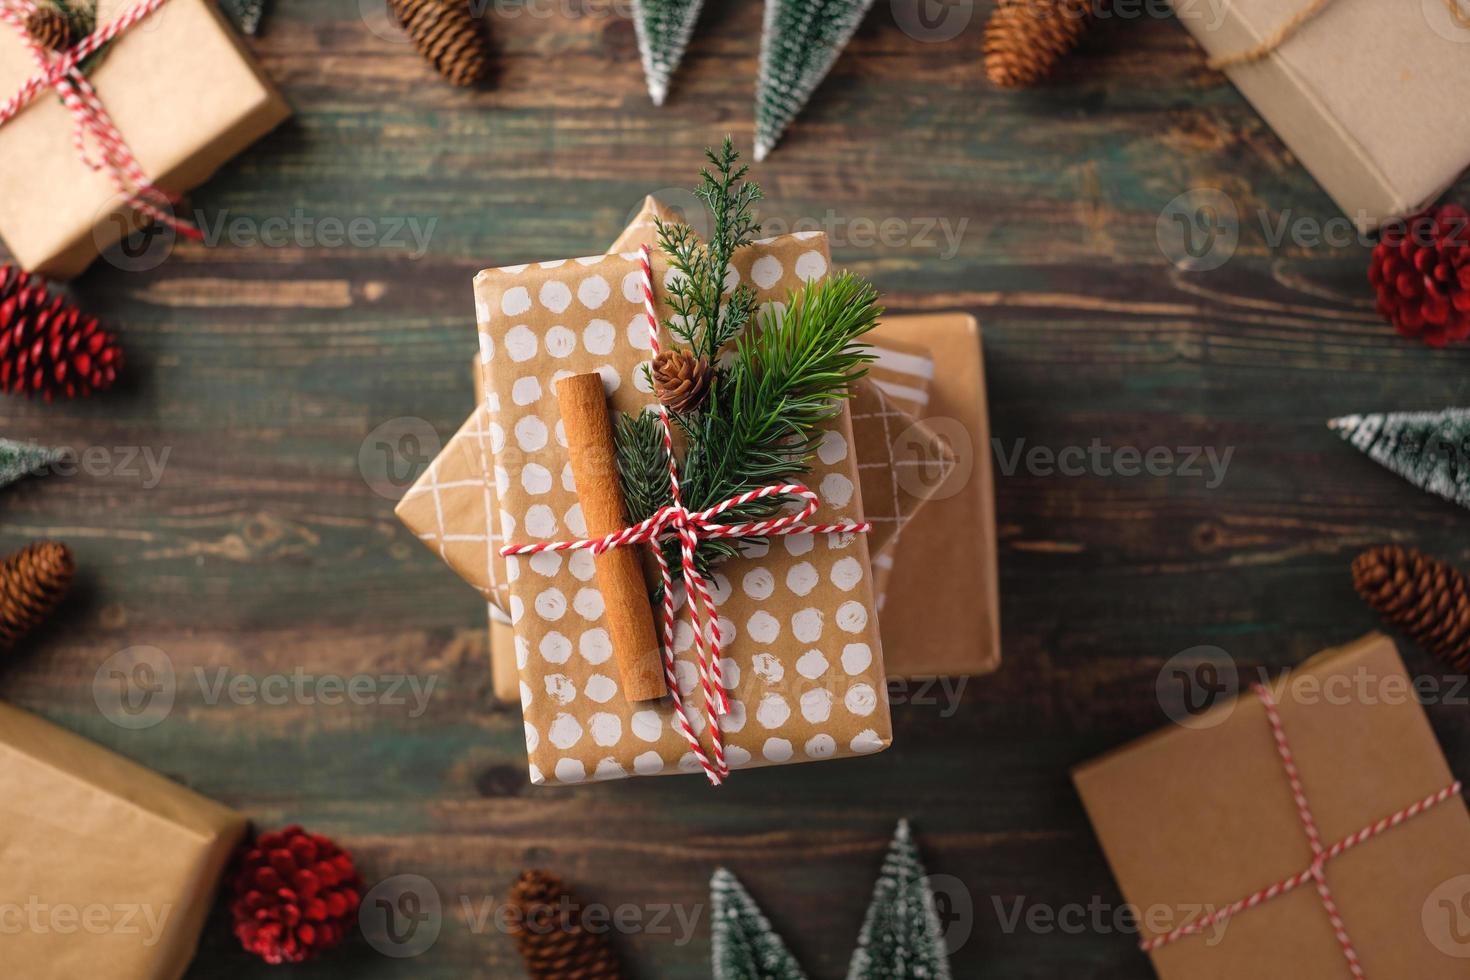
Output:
(945, 555)
(1203, 815)
(180, 88)
(930, 456)
(802, 660)
(106, 868)
(922, 439)
(1369, 94)
(453, 510)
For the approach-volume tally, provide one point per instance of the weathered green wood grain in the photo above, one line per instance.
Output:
(263, 549)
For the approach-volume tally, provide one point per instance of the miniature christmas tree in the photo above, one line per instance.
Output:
(1429, 449)
(901, 936)
(745, 945)
(247, 14)
(664, 28)
(18, 459)
(801, 42)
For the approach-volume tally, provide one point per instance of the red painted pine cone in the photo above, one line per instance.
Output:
(1421, 269)
(47, 345)
(295, 896)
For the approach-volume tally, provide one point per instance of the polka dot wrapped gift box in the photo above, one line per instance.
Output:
(801, 659)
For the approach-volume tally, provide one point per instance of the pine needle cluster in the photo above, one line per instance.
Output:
(784, 376)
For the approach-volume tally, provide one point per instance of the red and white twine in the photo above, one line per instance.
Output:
(1322, 855)
(690, 527)
(90, 119)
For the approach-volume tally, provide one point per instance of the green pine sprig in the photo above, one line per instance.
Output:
(770, 403)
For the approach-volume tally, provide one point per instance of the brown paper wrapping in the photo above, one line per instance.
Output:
(1369, 94)
(901, 461)
(84, 832)
(803, 660)
(184, 93)
(945, 557)
(1203, 816)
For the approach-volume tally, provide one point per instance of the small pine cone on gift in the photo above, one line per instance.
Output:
(680, 380)
(1421, 270)
(1025, 39)
(49, 28)
(549, 929)
(295, 896)
(47, 345)
(447, 35)
(33, 581)
(1427, 599)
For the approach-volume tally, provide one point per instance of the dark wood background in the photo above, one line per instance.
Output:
(263, 370)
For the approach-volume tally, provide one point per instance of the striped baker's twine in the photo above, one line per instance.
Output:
(1321, 855)
(690, 527)
(90, 118)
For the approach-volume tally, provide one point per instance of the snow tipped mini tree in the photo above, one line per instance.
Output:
(1429, 449)
(800, 43)
(664, 28)
(18, 459)
(745, 945)
(901, 938)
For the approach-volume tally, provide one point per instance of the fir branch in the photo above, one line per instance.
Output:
(788, 379)
(643, 466)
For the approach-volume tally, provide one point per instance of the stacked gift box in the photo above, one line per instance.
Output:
(824, 620)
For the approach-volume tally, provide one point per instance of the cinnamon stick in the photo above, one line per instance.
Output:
(626, 605)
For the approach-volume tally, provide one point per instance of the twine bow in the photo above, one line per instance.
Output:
(1322, 854)
(1284, 32)
(90, 119)
(690, 527)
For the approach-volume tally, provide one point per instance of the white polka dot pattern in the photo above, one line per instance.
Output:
(799, 639)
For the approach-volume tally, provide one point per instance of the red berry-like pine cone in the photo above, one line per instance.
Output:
(295, 895)
(1421, 269)
(47, 345)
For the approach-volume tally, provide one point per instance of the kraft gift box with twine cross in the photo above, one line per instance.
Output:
(97, 150)
(1310, 828)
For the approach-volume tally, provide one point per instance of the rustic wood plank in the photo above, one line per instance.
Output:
(261, 549)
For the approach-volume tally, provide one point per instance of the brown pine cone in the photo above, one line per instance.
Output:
(1427, 599)
(1025, 39)
(447, 35)
(50, 28)
(680, 380)
(32, 584)
(549, 930)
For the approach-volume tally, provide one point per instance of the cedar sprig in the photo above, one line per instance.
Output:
(704, 317)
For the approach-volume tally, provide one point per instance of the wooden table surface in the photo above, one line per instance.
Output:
(262, 371)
